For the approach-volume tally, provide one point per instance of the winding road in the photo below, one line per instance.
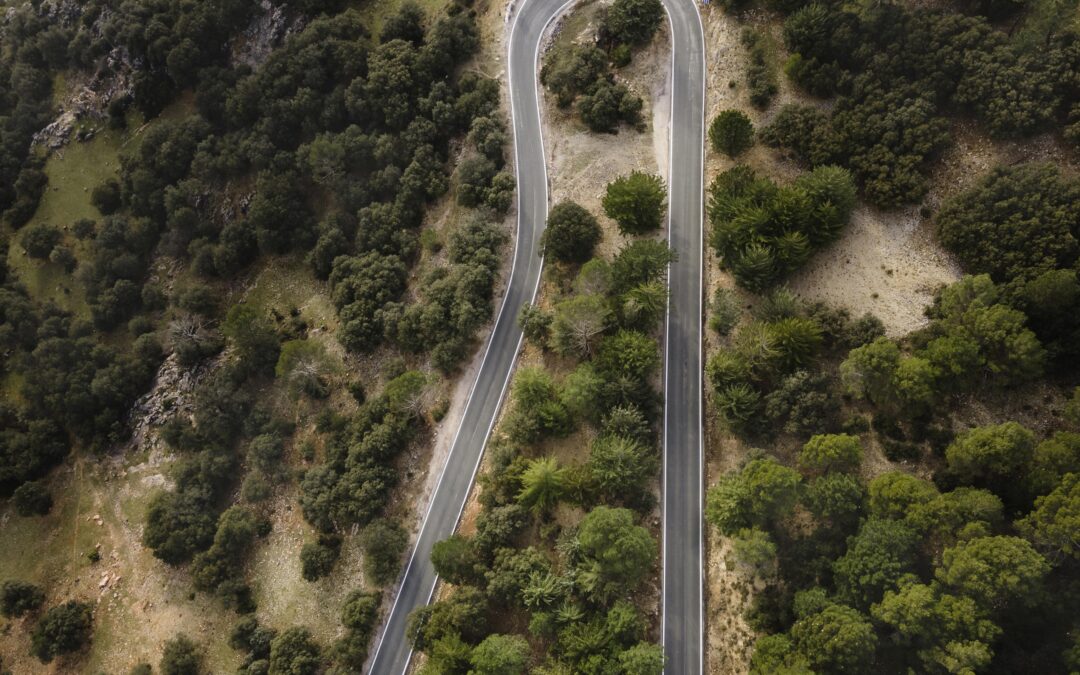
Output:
(682, 585)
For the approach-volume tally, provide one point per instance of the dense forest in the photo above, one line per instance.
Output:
(904, 503)
(328, 150)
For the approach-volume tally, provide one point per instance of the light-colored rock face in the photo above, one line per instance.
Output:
(171, 393)
(266, 32)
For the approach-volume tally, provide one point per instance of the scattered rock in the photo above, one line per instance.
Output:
(266, 32)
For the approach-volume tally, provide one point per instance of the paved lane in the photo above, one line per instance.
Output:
(393, 650)
(682, 597)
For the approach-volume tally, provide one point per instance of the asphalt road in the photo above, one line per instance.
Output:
(683, 632)
(682, 474)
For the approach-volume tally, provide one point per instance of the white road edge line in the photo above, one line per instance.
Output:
(667, 372)
(498, 319)
(701, 354)
(667, 336)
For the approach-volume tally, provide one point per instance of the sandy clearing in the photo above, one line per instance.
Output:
(852, 273)
(733, 591)
(581, 163)
(885, 264)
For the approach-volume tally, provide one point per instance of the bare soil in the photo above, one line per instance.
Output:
(580, 162)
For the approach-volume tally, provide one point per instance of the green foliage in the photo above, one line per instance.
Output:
(628, 354)
(631, 22)
(39, 240)
(837, 499)
(294, 652)
(106, 197)
(803, 404)
(620, 468)
(826, 453)
(500, 655)
(567, 73)
(991, 456)
(731, 132)
(19, 597)
(897, 71)
(993, 571)
(970, 336)
(180, 657)
(754, 550)
(836, 639)
(455, 560)
(796, 341)
(571, 233)
(535, 324)
(776, 655)
(739, 404)
(384, 542)
(725, 311)
(253, 337)
(358, 615)
(511, 572)
(763, 232)
(455, 301)
(459, 616)
(617, 555)
(579, 323)
(360, 287)
(876, 558)
(636, 202)
(248, 636)
(219, 569)
(950, 632)
(32, 499)
(1014, 224)
(543, 485)
(61, 630)
(893, 494)
(957, 514)
(317, 558)
(760, 72)
(642, 659)
(538, 410)
(607, 104)
(642, 261)
(304, 365)
(761, 494)
(1054, 524)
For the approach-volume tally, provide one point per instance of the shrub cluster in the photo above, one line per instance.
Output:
(763, 232)
(936, 564)
(896, 72)
(574, 599)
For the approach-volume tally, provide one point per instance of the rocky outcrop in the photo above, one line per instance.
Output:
(171, 393)
(265, 34)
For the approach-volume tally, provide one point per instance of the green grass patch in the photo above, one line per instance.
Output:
(73, 173)
(574, 24)
(283, 283)
(375, 13)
